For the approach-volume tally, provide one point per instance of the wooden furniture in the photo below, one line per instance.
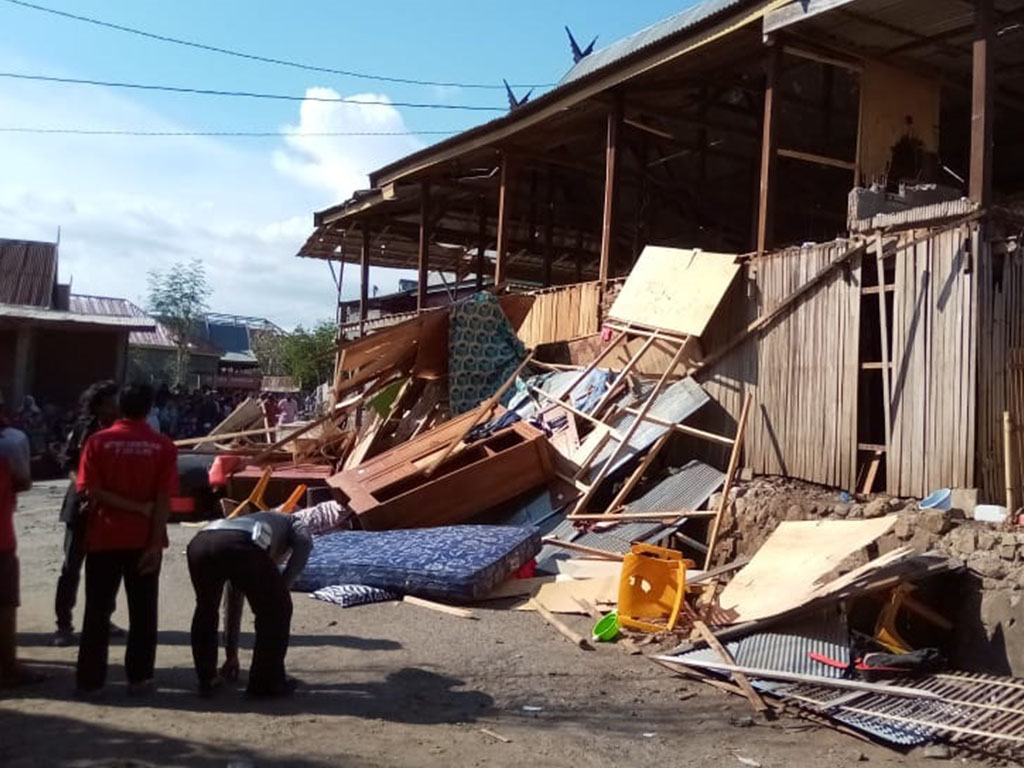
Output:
(391, 490)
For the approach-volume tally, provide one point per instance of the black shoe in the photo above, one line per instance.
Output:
(285, 688)
(116, 632)
(208, 688)
(63, 638)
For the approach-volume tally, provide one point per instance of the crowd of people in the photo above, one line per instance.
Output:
(123, 474)
(176, 413)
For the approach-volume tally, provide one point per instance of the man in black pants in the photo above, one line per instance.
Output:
(244, 553)
(130, 473)
(99, 410)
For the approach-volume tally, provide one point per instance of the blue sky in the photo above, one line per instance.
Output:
(127, 205)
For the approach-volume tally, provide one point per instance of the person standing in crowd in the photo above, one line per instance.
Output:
(130, 474)
(98, 411)
(244, 553)
(15, 477)
(288, 409)
(270, 411)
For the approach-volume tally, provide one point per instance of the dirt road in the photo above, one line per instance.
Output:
(384, 685)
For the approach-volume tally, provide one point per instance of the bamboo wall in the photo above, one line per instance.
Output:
(561, 314)
(934, 357)
(1000, 374)
(802, 372)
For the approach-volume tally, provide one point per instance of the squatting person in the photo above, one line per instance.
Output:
(244, 553)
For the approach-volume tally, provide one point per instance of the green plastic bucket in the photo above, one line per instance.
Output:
(607, 629)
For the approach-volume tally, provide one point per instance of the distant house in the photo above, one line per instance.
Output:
(53, 344)
(220, 353)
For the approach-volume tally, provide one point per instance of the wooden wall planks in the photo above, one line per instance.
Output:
(560, 314)
(802, 371)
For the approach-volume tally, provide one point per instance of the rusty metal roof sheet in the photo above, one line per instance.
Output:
(646, 38)
(28, 272)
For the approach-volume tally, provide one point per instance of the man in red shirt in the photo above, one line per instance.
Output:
(130, 472)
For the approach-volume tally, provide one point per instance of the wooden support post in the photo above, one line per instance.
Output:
(982, 99)
(1008, 462)
(611, 165)
(769, 138)
(730, 473)
(364, 281)
(504, 203)
(549, 229)
(481, 246)
(424, 250)
(883, 319)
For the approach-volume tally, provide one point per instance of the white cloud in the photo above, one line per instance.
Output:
(341, 164)
(127, 205)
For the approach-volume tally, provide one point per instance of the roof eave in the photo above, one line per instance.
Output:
(570, 94)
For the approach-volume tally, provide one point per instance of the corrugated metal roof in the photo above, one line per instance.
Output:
(28, 272)
(647, 37)
(675, 404)
(105, 305)
(787, 648)
(689, 488)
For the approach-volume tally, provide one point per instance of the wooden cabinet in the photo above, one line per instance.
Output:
(390, 490)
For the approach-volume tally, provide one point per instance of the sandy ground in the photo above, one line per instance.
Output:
(388, 684)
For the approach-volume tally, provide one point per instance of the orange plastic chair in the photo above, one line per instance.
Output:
(293, 500)
(651, 588)
(255, 498)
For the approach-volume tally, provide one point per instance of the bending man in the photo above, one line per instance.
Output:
(244, 553)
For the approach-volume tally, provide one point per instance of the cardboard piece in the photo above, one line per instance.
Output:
(675, 289)
(564, 594)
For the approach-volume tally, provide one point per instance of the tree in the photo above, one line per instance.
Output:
(306, 356)
(177, 298)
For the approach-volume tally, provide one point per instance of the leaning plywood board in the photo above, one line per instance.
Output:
(788, 570)
(674, 289)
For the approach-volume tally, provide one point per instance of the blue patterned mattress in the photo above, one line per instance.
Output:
(455, 563)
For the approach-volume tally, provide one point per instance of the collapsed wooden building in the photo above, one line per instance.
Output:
(859, 159)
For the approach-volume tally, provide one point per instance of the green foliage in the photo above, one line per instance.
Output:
(306, 356)
(178, 297)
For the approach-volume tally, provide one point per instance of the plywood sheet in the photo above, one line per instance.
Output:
(561, 595)
(675, 289)
(788, 570)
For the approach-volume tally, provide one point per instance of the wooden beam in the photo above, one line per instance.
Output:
(481, 246)
(765, 214)
(730, 473)
(549, 228)
(611, 164)
(883, 319)
(364, 281)
(741, 680)
(982, 111)
(504, 202)
(810, 157)
(423, 261)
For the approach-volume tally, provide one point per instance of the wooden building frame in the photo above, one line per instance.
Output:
(742, 126)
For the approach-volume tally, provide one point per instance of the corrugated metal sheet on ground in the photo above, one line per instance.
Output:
(787, 648)
(646, 37)
(689, 488)
(675, 404)
(28, 271)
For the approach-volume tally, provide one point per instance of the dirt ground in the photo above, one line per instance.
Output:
(384, 685)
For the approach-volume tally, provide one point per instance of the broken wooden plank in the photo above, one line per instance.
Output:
(741, 680)
(451, 610)
(578, 639)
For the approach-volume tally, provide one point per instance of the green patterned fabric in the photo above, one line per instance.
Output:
(483, 351)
